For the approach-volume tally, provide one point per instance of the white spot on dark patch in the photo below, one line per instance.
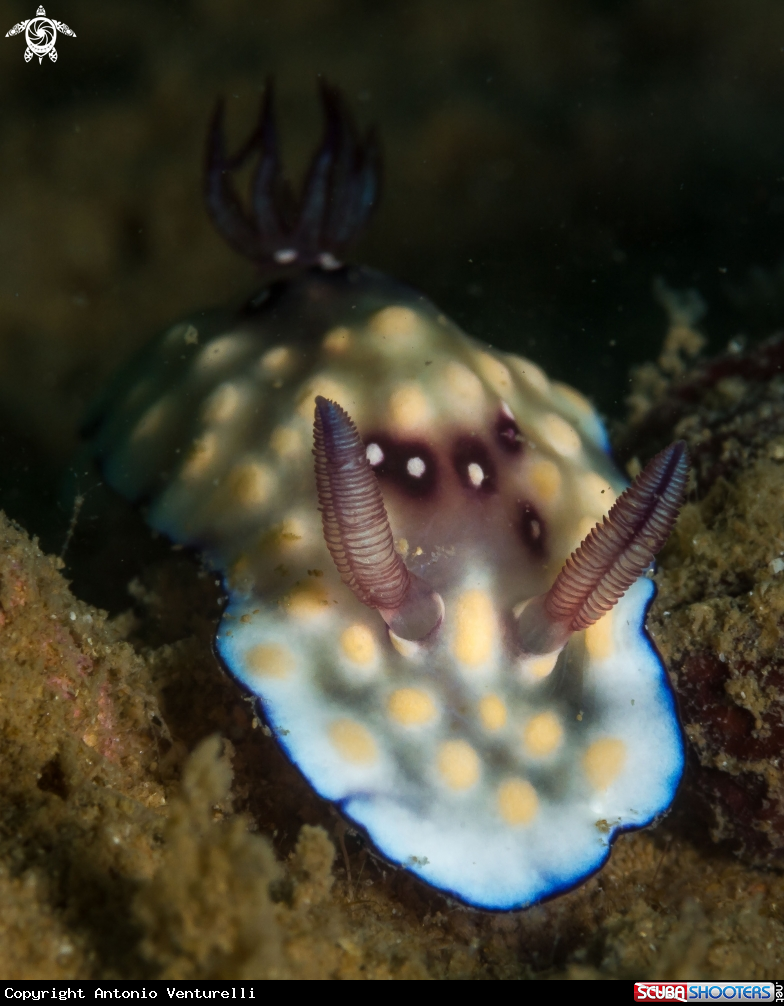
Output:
(374, 454)
(474, 466)
(475, 474)
(415, 467)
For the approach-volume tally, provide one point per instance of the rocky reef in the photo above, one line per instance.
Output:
(719, 614)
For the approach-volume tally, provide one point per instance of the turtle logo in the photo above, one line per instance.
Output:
(40, 33)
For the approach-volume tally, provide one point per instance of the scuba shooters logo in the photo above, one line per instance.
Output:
(40, 35)
(648, 992)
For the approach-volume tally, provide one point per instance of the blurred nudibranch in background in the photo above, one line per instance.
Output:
(436, 576)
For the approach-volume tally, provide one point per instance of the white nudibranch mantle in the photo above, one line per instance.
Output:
(496, 774)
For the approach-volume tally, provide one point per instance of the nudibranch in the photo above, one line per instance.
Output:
(436, 576)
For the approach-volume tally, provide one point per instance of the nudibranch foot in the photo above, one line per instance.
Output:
(280, 232)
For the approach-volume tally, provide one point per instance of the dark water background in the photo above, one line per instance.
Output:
(545, 160)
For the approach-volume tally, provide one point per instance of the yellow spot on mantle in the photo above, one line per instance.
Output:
(353, 742)
(275, 361)
(268, 661)
(287, 536)
(458, 764)
(222, 404)
(394, 322)
(251, 484)
(517, 801)
(574, 398)
(604, 760)
(540, 666)
(307, 601)
(151, 422)
(411, 706)
(530, 374)
(598, 637)
(286, 443)
(337, 340)
(542, 735)
(358, 644)
(463, 388)
(495, 373)
(200, 456)
(559, 435)
(408, 406)
(220, 352)
(492, 713)
(475, 628)
(545, 479)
